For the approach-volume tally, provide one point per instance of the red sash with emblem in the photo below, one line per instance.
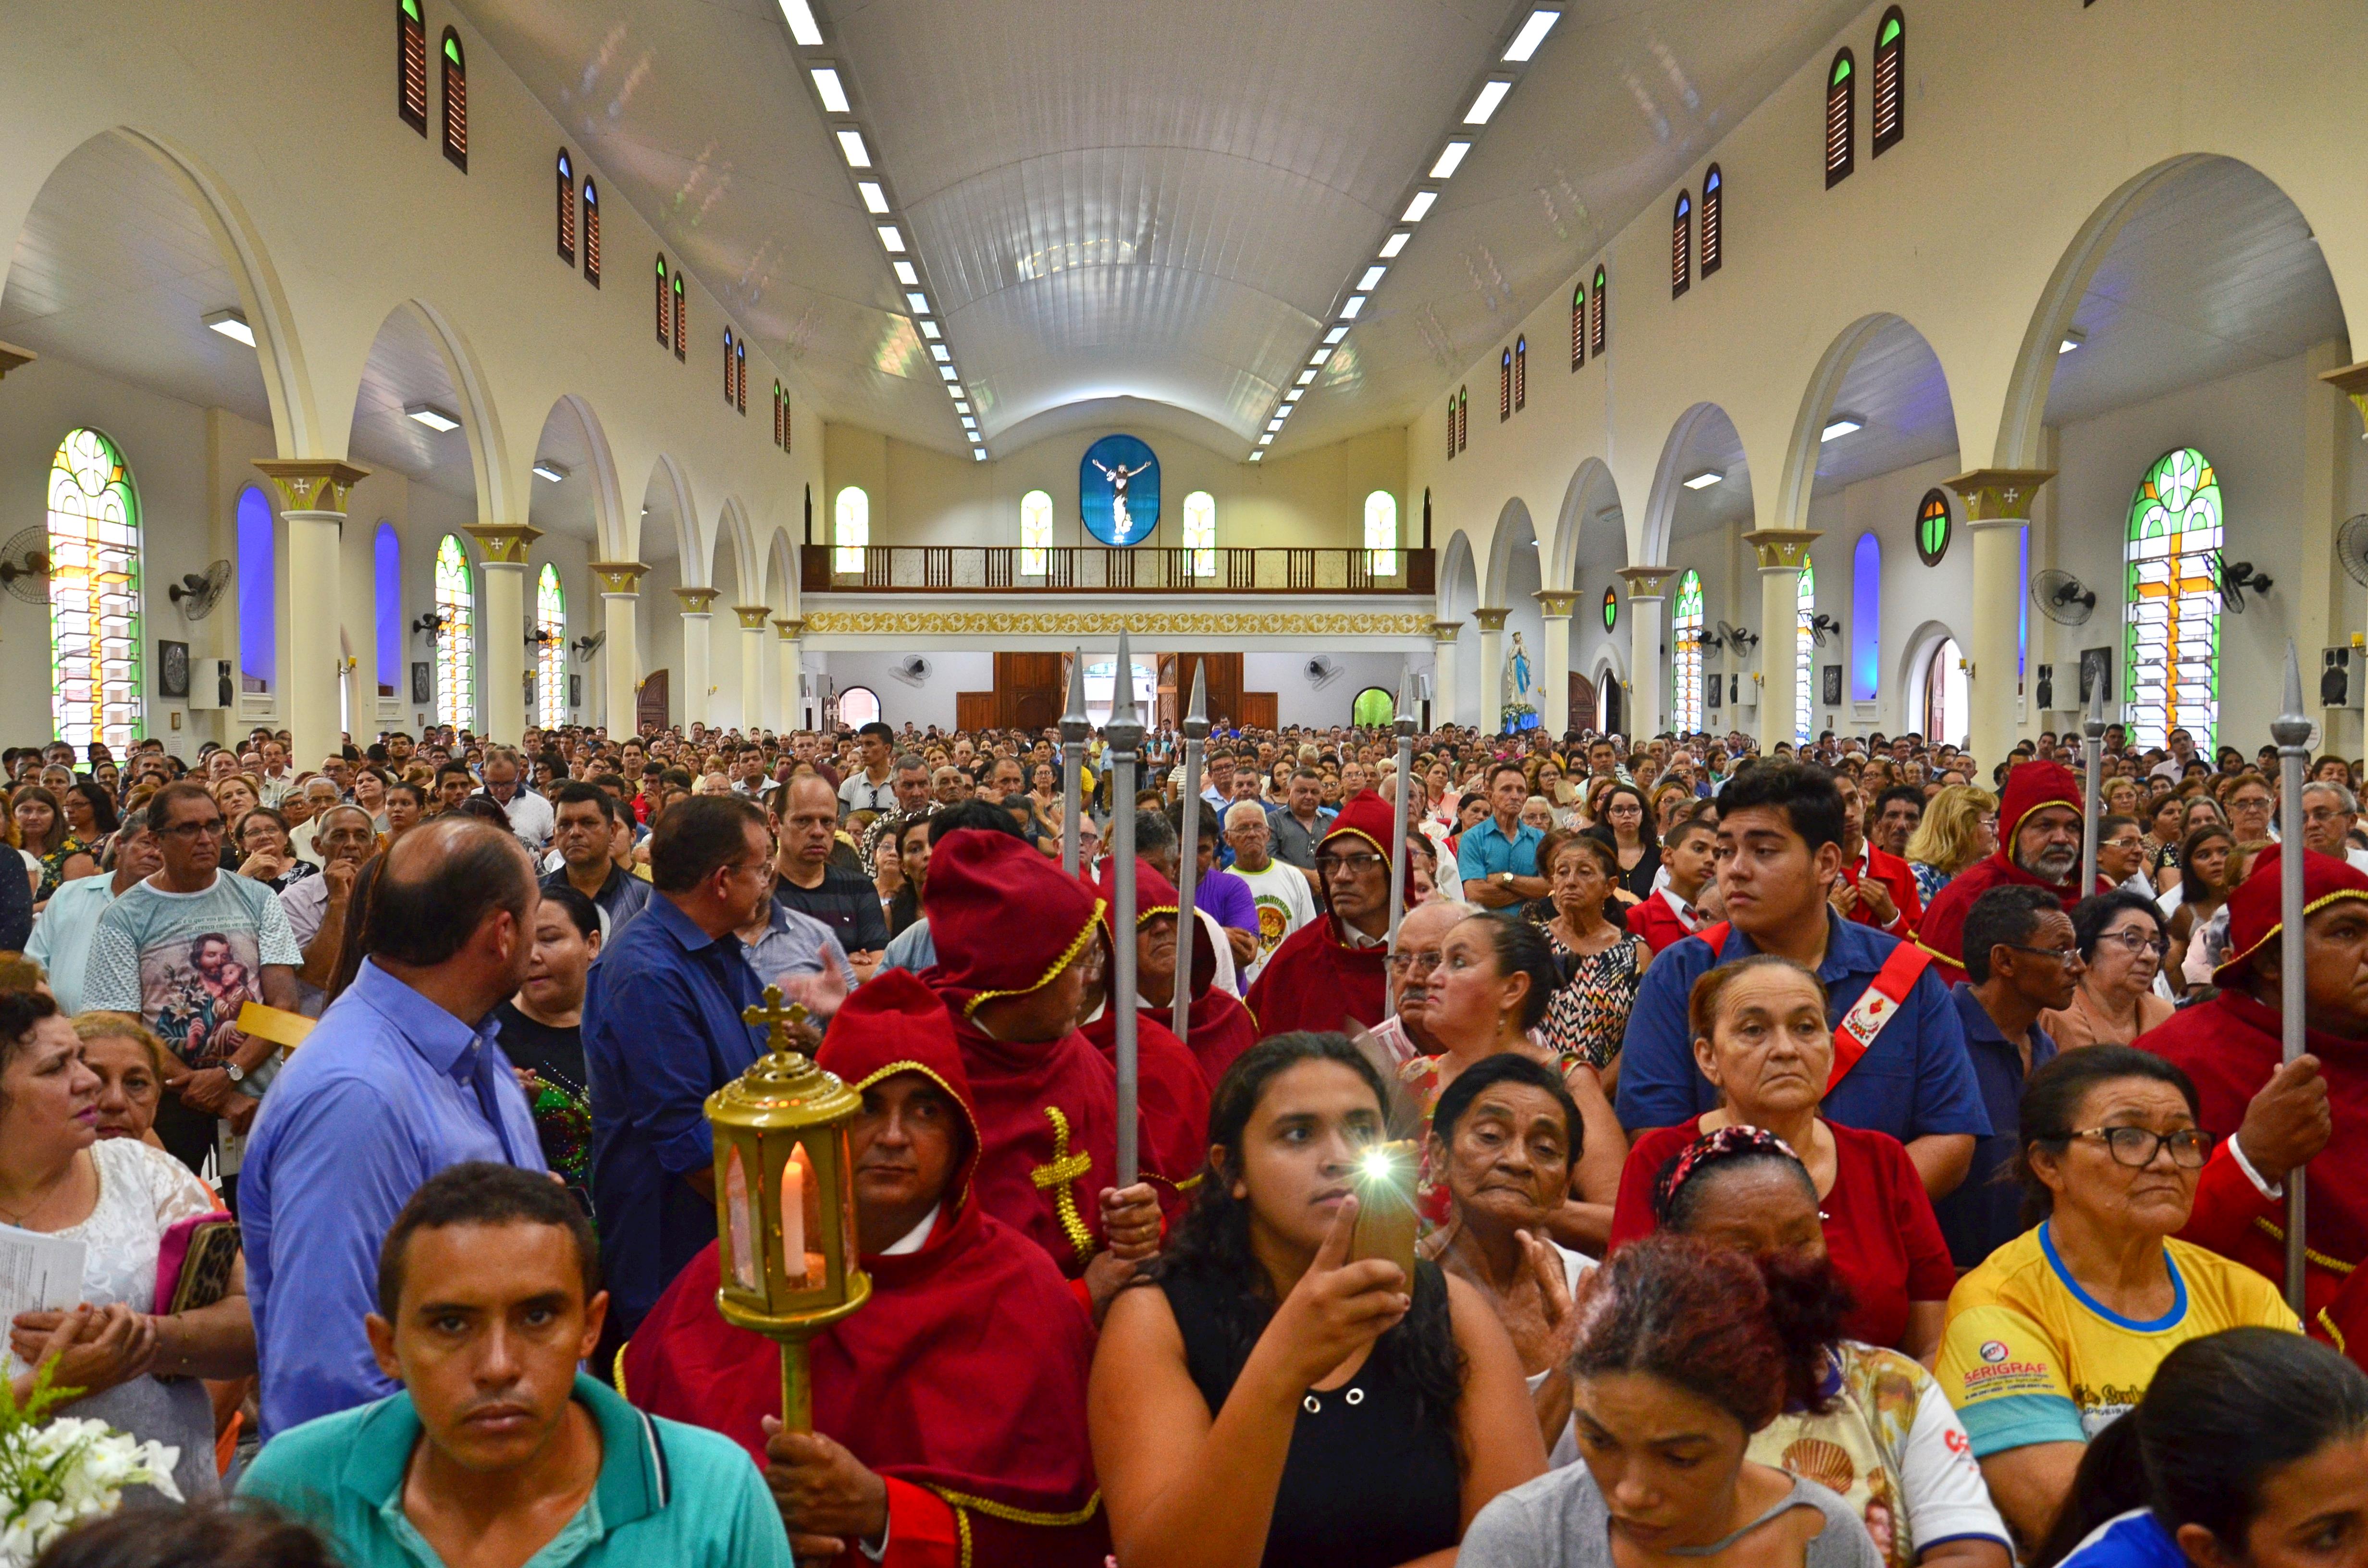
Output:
(1879, 1004)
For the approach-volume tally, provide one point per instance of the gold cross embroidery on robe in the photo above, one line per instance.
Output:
(1060, 1178)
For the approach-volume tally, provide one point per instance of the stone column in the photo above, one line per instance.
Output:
(1648, 669)
(2327, 434)
(1997, 509)
(502, 710)
(1782, 553)
(1554, 661)
(752, 666)
(313, 493)
(792, 663)
(698, 654)
(621, 593)
(1492, 669)
(1443, 634)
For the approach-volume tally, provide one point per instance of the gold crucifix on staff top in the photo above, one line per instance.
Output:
(778, 1021)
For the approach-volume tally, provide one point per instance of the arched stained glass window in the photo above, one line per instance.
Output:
(456, 639)
(456, 103)
(1866, 618)
(1578, 325)
(1373, 710)
(1520, 373)
(258, 582)
(1595, 311)
(1932, 527)
(567, 209)
(854, 530)
(1505, 387)
(740, 378)
(1036, 533)
(1686, 663)
(411, 65)
(550, 653)
(1611, 608)
(591, 233)
(1890, 80)
(1200, 532)
(665, 306)
(729, 383)
(681, 319)
(1451, 427)
(1804, 656)
(1382, 534)
(1713, 215)
(386, 580)
(1463, 417)
(2173, 608)
(1841, 119)
(93, 539)
(1681, 246)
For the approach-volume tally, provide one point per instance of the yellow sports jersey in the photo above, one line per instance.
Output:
(2029, 1356)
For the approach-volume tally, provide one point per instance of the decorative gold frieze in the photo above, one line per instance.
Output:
(1109, 623)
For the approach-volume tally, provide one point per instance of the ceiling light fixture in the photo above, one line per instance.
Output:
(1449, 161)
(803, 26)
(968, 423)
(545, 469)
(434, 418)
(874, 198)
(1420, 206)
(1705, 479)
(832, 91)
(920, 303)
(1841, 424)
(906, 275)
(958, 394)
(1267, 439)
(1305, 377)
(850, 143)
(975, 439)
(1394, 243)
(1492, 92)
(929, 330)
(1356, 302)
(1254, 456)
(1336, 334)
(891, 237)
(1295, 394)
(940, 353)
(1533, 33)
(980, 454)
(961, 407)
(1319, 356)
(2073, 338)
(1372, 279)
(230, 325)
(948, 372)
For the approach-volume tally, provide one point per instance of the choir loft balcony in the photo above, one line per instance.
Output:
(1096, 569)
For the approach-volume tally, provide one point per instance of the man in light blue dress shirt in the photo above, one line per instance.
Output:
(402, 1078)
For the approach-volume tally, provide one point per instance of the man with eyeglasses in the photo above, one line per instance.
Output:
(2039, 845)
(184, 950)
(2328, 813)
(1411, 968)
(1333, 974)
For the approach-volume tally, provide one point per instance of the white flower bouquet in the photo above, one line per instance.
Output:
(56, 1474)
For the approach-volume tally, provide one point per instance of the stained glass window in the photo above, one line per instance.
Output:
(550, 653)
(1714, 208)
(1595, 322)
(456, 103)
(258, 598)
(665, 308)
(1520, 373)
(1890, 80)
(1681, 246)
(854, 530)
(1382, 534)
(681, 319)
(1610, 608)
(740, 377)
(411, 65)
(1841, 119)
(1577, 326)
(456, 639)
(1686, 667)
(567, 209)
(1866, 618)
(1451, 427)
(2173, 613)
(728, 368)
(1036, 532)
(1804, 656)
(386, 566)
(591, 233)
(1463, 417)
(1505, 387)
(1932, 527)
(1200, 531)
(93, 594)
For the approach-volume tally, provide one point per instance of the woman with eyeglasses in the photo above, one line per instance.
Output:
(2122, 941)
(2060, 1331)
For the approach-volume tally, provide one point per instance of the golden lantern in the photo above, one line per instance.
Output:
(785, 1201)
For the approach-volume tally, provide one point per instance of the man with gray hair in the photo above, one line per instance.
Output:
(61, 939)
(1420, 931)
(2330, 811)
(529, 814)
(1278, 892)
(316, 907)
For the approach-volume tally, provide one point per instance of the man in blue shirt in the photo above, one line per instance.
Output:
(1499, 857)
(400, 1078)
(1780, 830)
(2021, 954)
(663, 1030)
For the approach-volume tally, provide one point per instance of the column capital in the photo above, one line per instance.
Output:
(752, 617)
(303, 482)
(1554, 604)
(696, 601)
(1647, 582)
(2351, 380)
(1491, 619)
(1999, 495)
(1446, 632)
(789, 629)
(1782, 549)
(505, 544)
(619, 576)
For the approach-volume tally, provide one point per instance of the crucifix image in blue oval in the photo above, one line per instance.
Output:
(1118, 490)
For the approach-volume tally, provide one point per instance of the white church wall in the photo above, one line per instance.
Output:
(1299, 700)
(902, 702)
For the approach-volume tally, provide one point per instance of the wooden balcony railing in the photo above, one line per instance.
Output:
(1096, 569)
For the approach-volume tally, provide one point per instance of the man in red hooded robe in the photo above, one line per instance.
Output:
(1334, 972)
(2269, 1116)
(1010, 930)
(1220, 1027)
(950, 1409)
(1175, 1097)
(2039, 843)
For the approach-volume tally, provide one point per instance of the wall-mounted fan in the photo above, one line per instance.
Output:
(587, 645)
(25, 565)
(432, 624)
(2233, 579)
(197, 592)
(2062, 597)
(912, 669)
(544, 636)
(1320, 672)
(2351, 548)
(1822, 626)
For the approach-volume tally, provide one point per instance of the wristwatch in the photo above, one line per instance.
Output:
(236, 1074)
(1506, 878)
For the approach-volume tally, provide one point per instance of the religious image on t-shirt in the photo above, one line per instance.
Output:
(192, 987)
(1274, 924)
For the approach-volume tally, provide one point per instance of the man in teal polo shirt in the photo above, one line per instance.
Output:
(498, 1449)
(1499, 857)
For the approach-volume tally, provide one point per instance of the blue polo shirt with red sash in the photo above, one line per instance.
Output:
(1900, 1062)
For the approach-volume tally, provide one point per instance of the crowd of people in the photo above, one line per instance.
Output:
(1806, 1167)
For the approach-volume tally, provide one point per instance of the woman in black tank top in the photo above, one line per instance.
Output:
(1271, 1402)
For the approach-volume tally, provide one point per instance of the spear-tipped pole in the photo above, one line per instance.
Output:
(1124, 731)
(1404, 792)
(2291, 730)
(2093, 753)
(1074, 728)
(1188, 846)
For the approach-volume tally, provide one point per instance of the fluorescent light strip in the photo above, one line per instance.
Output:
(1319, 356)
(1705, 479)
(980, 454)
(1254, 456)
(906, 276)
(1349, 311)
(948, 372)
(920, 303)
(1533, 33)
(1305, 377)
(803, 26)
(850, 143)
(1450, 160)
(891, 237)
(961, 407)
(1267, 439)
(230, 325)
(1394, 243)
(929, 330)
(874, 198)
(2073, 338)
(1419, 207)
(434, 418)
(940, 353)
(1491, 94)
(968, 423)
(1293, 396)
(1336, 334)
(545, 469)
(832, 90)
(1372, 279)
(1841, 424)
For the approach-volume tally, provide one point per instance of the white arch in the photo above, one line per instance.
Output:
(732, 528)
(671, 475)
(1582, 506)
(1660, 508)
(1798, 479)
(1513, 531)
(608, 502)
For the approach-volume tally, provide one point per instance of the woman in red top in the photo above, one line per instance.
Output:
(1761, 1036)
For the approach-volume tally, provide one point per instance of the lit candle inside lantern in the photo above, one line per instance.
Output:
(793, 1215)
